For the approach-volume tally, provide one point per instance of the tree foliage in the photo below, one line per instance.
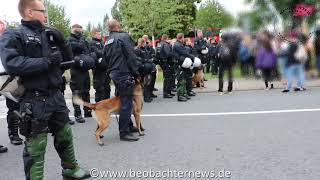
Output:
(213, 15)
(156, 17)
(283, 7)
(58, 18)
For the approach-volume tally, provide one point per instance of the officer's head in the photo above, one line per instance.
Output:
(164, 37)
(2, 27)
(96, 33)
(76, 29)
(180, 37)
(200, 34)
(32, 10)
(114, 26)
(140, 43)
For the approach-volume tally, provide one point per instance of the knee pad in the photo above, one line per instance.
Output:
(64, 134)
(36, 146)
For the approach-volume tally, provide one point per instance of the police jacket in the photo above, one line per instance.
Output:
(181, 52)
(119, 51)
(96, 47)
(80, 49)
(200, 44)
(25, 52)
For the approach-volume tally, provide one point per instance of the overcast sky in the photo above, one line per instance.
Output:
(94, 10)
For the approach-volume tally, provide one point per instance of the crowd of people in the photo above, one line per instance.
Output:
(36, 53)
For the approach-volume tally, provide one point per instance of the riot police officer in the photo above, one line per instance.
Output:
(80, 79)
(32, 51)
(167, 64)
(123, 69)
(146, 67)
(189, 72)
(201, 48)
(101, 81)
(185, 61)
(150, 55)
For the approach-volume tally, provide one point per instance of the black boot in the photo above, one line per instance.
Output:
(3, 149)
(167, 96)
(87, 114)
(80, 119)
(13, 128)
(182, 99)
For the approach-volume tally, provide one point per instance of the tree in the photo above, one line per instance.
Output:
(104, 23)
(212, 15)
(284, 7)
(115, 12)
(156, 17)
(253, 18)
(58, 18)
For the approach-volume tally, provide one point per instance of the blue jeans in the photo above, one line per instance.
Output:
(295, 71)
(282, 63)
(124, 84)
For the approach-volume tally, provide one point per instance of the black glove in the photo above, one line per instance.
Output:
(78, 62)
(55, 58)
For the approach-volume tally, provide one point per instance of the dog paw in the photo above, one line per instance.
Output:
(142, 134)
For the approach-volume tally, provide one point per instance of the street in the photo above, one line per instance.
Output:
(261, 140)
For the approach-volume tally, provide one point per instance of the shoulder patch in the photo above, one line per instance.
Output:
(110, 41)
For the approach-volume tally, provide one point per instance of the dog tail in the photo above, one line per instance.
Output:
(78, 101)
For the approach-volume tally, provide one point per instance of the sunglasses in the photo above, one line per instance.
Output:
(40, 10)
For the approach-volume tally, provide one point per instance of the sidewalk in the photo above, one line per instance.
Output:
(240, 84)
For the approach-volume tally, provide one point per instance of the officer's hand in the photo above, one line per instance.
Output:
(55, 58)
(78, 62)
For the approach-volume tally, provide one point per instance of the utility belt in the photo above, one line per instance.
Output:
(40, 93)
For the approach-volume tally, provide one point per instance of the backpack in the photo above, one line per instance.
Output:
(301, 54)
(224, 51)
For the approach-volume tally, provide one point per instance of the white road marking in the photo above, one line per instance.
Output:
(222, 113)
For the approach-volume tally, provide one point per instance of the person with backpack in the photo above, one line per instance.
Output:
(227, 58)
(297, 56)
(266, 60)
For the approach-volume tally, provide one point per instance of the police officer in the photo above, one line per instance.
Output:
(101, 81)
(80, 79)
(146, 68)
(185, 61)
(201, 48)
(150, 55)
(123, 69)
(31, 51)
(189, 72)
(167, 64)
(2, 29)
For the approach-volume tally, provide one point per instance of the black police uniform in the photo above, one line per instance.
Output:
(189, 74)
(167, 64)
(123, 67)
(80, 79)
(199, 45)
(101, 80)
(146, 68)
(181, 52)
(32, 52)
(150, 55)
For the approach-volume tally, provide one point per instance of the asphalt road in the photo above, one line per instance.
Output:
(253, 135)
